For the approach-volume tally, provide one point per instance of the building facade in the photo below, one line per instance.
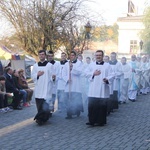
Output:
(129, 39)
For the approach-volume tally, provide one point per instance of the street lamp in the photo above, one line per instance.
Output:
(88, 28)
(141, 46)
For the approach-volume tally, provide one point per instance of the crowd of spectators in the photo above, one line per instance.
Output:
(14, 90)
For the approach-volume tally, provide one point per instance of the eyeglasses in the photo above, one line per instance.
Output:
(98, 55)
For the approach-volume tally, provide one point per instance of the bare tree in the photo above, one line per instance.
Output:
(46, 24)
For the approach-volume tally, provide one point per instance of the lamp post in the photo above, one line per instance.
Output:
(88, 28)
(141, 46)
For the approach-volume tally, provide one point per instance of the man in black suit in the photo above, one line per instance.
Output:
(11, 88)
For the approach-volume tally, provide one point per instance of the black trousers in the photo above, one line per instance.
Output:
(39, 102)
(97, 111)
(114, 99)
(16, 99)
(109, 105)
(43, 113)
(3, 101)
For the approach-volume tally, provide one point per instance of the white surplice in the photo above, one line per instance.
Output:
(97, 88)
(124, 82)
(144, 77)
(117, 72)
(43, 86)
(61, 82)
(73, 75)
(55, 71)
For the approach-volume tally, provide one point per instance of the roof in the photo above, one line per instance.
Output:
(130, 18)
(6, 54)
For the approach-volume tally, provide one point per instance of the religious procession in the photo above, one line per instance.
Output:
(99, 85)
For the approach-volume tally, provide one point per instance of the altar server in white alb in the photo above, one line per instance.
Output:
(55, 72)
(124, 80)
(71, 75)
(145, 75)
(61, 84)
(99, 74)
(114, 87)
(86, 86)
(41, 75)
(83, 79)
(135, 79)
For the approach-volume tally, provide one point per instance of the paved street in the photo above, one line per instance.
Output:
(127, 129)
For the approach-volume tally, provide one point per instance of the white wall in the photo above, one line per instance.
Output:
(128, 31)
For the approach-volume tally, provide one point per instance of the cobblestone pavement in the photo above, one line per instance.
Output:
(127, 129)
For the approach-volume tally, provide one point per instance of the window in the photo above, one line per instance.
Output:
(133, 46)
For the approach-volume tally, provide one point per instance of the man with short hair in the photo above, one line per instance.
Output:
(71, 75)
(55, 72)
(42, 75)
(114, 86)
(99, 74)
(106, 59)
(61, 83)
(88, 60)
(124, 80)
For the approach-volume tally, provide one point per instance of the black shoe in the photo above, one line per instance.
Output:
(18, 108)
(88, 123)
(39, 122)
(101, 125)
(132, 100)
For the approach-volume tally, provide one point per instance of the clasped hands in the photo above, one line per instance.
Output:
(98, 72)
(40, 73)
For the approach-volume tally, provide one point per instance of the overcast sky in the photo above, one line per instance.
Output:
(112, 9)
